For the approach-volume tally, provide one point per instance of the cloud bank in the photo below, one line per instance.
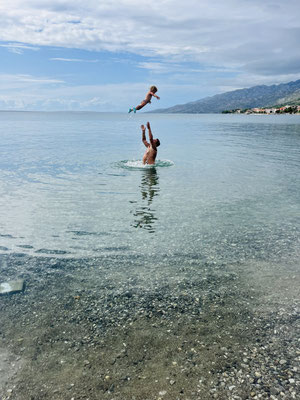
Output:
(254, 35)
(252, 42)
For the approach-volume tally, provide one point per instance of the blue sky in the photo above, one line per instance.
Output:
(103, 55)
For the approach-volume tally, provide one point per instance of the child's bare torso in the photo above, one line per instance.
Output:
(148, 97)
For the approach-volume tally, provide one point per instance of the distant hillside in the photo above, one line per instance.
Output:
(292, 99)
(257, 96)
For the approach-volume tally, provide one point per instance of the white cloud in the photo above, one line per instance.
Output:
(191, 49)
(18, 48)
(33, 93)
(214, 33)
(247, 81)
(24, 92)
(30, 79)
(159, 67)
(73, 60)
(14, 81)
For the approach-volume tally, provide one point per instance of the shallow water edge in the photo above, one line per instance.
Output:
(111, 328)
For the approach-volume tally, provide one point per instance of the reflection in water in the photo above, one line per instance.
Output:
(144, 214)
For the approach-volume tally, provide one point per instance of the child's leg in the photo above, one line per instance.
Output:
(140, 106)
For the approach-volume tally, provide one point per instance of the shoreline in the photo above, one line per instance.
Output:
(107, 329)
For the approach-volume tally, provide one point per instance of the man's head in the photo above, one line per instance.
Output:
(157, 142)
(153, 89)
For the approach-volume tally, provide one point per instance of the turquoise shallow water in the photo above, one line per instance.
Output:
(226, 187)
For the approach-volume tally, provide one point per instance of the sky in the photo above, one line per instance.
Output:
(103, 55)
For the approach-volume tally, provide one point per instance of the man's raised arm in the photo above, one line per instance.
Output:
(144, 140)
(150, 133)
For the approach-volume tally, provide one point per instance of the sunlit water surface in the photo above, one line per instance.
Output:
(226, 188)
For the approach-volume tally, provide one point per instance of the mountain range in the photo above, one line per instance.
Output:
(256, 96)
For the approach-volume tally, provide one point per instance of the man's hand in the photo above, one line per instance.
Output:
(143, 127)
(158, 98)
(148, 125)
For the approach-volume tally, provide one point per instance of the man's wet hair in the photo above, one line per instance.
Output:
(153, 89)
(157, 142)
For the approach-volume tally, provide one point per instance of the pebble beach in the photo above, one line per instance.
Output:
(139, 334)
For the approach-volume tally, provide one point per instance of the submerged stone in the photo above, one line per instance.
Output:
(12, 287)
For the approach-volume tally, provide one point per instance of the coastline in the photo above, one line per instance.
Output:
(106, 328)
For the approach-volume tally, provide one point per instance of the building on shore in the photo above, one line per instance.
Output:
(287, 109)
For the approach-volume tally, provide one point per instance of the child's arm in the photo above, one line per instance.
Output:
(153, 94)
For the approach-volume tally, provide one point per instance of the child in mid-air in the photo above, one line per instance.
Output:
(147, 100)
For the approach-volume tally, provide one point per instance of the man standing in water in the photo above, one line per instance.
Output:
(151, 152)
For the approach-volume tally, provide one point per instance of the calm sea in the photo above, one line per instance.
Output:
(134, 275)
(226, 188)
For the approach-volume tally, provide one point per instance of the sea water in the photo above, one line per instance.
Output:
(179, 279)
(224, 188)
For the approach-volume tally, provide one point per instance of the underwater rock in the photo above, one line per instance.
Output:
(12, 287)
